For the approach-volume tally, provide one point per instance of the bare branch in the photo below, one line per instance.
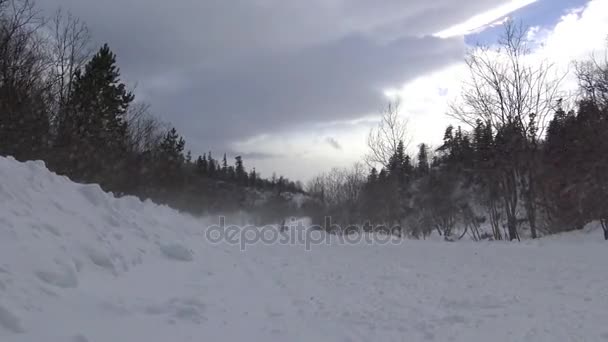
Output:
(505, 87)
(145, 130)
(383, 140)
(70, 49)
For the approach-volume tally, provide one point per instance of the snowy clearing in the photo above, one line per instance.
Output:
(78, 265)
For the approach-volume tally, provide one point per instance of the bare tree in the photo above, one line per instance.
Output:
(515, 95)
(22, 59)
(340, 192)
(506, 87)
(23, 87)
(70, 50)
(592, 76)
(145, 130)
(593, 85)
(384, 140)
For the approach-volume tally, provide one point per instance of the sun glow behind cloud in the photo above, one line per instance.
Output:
(483, 20)
(425, 100)
(578, 34)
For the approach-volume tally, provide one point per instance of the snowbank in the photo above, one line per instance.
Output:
(77, 264)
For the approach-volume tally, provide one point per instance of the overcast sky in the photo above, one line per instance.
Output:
(294, 86)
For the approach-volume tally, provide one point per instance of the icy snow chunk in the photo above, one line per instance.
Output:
(51, 229)
(9, 321)
(93, 194)
(65, 277)
(177, 252)
(36, 166)
(100, 259)
(182, 309)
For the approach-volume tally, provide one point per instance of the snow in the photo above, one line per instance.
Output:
(176, 252)
(9, 321)
(77, 265)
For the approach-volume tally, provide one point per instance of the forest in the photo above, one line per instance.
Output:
(526, 160)
(62, 101)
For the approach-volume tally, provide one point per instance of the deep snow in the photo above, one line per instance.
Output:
(78, 265)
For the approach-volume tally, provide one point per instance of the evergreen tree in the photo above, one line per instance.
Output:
(230, 174)
(423, 160)
(204, 167)
(448, 142)
(92, 132)
(224, 172)
(241, 175)
(171, 159)
(201, 168)
(253, 178)
(373, 176)
(211, 166)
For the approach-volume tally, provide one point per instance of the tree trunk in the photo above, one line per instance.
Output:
(495, 221)
(530, 190)
(532, 221)
(530, 205)
(512, 227)
(510, 198)
(605, 227)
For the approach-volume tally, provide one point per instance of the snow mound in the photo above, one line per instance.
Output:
(78, 265)
(176, 252)
(57, 237)
(9, 321)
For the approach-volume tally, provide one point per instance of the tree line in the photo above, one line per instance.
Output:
(521, 162)
(525, 159)
(67, 106)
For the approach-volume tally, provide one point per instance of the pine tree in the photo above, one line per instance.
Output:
(92, 132)
(211, 167)
(448, 141)
(423, 160)
(171, 159)
(204, 165)
(240, 174)
(253, 178)
(373, 176)
(225, 167)
(230, 174)
(201, 165)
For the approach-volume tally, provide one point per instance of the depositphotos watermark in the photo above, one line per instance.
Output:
(296, 232)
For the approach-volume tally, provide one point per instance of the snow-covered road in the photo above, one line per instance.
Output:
(78, 265)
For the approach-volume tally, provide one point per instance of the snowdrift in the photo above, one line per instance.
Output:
(58, 238)
(77, 265)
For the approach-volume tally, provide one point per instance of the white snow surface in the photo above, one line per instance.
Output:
(78, 265)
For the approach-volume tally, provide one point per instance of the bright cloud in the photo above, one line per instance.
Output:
(577, 35)
(483, 20)
(425, 100)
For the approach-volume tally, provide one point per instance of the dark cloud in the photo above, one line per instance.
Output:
(333, 143)
(222, 70)
(336, 81)
(257, 155)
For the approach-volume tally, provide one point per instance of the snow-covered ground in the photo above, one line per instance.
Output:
(78, 265)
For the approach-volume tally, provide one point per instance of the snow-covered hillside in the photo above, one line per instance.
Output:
(78, 265)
